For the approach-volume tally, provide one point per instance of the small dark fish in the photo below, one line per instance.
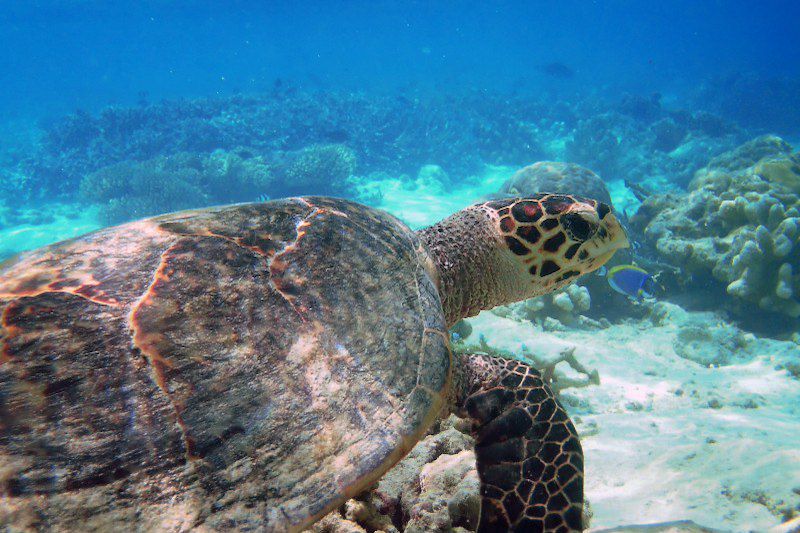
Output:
(556, 70)
(336, 136)
(263, 198)
(632, 281)
(638, 191)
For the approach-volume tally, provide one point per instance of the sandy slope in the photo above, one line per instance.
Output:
(60, 221)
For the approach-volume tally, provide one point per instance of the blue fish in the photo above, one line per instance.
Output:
(632, 281)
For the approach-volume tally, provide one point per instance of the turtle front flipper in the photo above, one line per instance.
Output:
(529, 458)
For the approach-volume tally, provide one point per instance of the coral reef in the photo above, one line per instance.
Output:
(654, 146)
(137, 189)
(548, 176)
(749, 153)
(738, 226)
(637, 139)
(667, 134)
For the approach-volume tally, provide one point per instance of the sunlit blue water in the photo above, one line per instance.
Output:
(63, 55)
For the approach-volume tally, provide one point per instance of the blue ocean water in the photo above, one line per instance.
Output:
(684, 115)
(62, 56)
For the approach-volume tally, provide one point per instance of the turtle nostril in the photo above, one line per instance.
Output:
(603, 210)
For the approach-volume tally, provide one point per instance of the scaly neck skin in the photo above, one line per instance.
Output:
(473, 273)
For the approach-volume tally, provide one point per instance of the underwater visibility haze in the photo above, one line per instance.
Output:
(417, 266)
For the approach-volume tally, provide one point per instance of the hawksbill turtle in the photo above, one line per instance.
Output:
(253, 366)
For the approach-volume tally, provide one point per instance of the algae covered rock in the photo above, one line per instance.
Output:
(783, 170)
(551, 176)
(738, 228)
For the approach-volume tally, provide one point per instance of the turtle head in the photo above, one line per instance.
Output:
(555, 238)
(504, 251)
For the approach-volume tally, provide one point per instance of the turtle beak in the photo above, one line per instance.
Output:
(609, 238)
(616, 236)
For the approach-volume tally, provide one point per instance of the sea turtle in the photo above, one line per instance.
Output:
(253, 366)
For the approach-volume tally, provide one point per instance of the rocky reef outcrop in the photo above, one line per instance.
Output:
(434, 488)
(551, 176)
(563, 308)
(736, 230)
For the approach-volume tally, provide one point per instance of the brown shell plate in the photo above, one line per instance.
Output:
(244, 366)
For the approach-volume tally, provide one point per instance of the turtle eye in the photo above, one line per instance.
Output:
(578, 226)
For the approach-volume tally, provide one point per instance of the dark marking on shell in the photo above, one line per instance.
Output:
(572, 250)
(507, 224)
(516, 246)
(556, 204)
(578, 227)
(526, 211)
(500, 204)
(529, 233)
(549, 267)
(554, 243)
(549, 224)
(570, 274)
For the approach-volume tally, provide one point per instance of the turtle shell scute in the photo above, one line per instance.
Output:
(297, 347)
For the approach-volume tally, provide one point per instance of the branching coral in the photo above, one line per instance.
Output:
(137, 189)
(318, 169)
(561, 371)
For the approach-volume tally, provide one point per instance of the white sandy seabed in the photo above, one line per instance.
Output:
(665, 437)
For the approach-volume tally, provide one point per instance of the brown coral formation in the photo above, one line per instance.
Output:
(738, 226)
(556, 177)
